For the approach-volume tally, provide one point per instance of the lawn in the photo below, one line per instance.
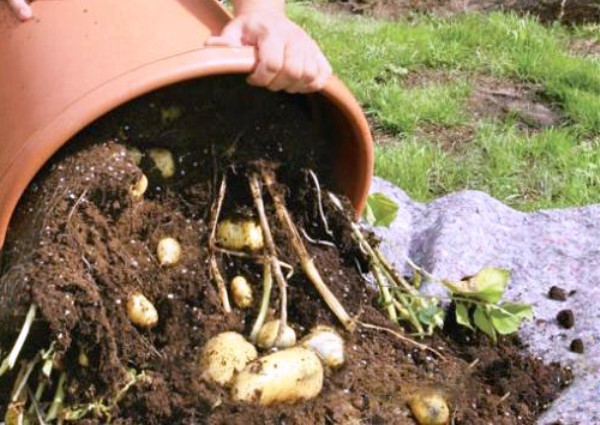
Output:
(416, 81)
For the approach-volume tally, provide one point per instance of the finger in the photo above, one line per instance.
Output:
(21, 8)
(231, 36)
(292, 71)
(325, 73)
(310, 74)
(270, 60)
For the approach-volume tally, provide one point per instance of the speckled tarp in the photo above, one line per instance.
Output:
(458, 234)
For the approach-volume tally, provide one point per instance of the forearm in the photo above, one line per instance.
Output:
(242, 6)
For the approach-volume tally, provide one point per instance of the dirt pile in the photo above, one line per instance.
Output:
(81, 245)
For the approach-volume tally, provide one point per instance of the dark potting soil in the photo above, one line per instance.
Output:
(79, 246)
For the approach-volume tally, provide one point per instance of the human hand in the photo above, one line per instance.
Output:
(287, 57)
(21, 9)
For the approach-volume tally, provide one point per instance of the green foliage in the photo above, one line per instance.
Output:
(382, 63)
(481, 295)
(380, 210)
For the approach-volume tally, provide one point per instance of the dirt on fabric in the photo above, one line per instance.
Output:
(79, 245)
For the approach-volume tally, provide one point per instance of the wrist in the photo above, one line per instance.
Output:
(253, 6)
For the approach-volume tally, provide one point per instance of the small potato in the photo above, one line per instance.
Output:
(242, 292)
(168, 252)
(429, 407)
(135, 154)
(240, 235)
(138, 189)
(287, 376)
(224, 355)
(141, 311)
(164, 161)
(267, 336)
(328, 345)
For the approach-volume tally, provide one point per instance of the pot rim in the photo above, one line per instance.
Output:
(208, 61)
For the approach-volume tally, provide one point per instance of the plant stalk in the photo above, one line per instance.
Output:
(259, 204)
(307, 263)
(11, 360)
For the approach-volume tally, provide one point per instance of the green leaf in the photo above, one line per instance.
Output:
(491, 284)
(431, 315)
(524, 311)
(462, 315)
(488, 285)
(505, 324)
(483, 322)
(380, 210)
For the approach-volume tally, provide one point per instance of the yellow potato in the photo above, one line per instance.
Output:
(141, 311)
(242, 292)
(224, 355)
(328, 345)
(164, 161)
(429, 407)
(168, 252)
(138, 189)
(240, 235)
(267, 336)
(287, 376)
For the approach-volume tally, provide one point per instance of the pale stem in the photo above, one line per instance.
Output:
(272, 252)
(307, 263)
(10, 361)
(264, 304)
(214, 266)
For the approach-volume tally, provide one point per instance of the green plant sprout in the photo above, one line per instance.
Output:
(476, 299)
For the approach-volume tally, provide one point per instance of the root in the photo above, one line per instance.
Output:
(271, 251)
(11, 360)
(264, 304)
(404, 338)
(307, 263)
(212, 245)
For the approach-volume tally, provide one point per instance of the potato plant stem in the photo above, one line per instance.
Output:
(10, 361)
(214, 266)
(264, 304)
(59, 397)
(307, 263)
(259, 204)
(386, 296)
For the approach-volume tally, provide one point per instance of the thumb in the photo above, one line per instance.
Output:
(231, 36)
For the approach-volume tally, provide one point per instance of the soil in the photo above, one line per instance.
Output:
(577, 346)
(566, 319)
(79, 246)
(571, 12)
(557, 293)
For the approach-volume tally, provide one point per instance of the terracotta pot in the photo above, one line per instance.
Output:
(78, 60)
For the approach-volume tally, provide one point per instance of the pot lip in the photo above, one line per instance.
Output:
(46, 141)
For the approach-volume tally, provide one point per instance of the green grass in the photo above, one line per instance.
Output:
(552, 168)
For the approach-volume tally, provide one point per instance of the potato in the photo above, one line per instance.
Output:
(168, 252)
(287, 376)
(141, 311)
(267, 336)
(224, 355)
(242, 292)
(135, 154)
(429, 407)
(327, 344)
(164, 161)
(138, 189)
(240, 235)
